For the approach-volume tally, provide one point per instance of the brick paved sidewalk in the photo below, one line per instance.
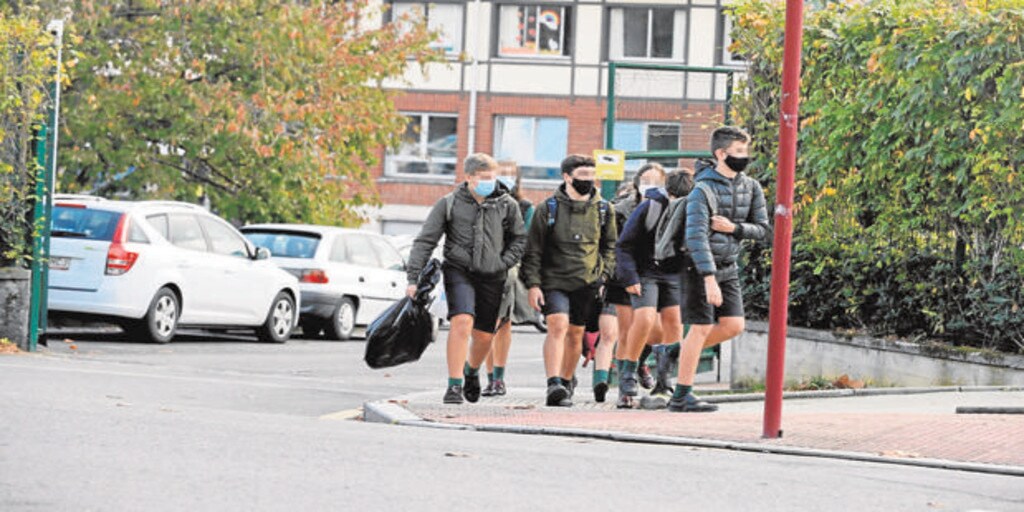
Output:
(895, 426)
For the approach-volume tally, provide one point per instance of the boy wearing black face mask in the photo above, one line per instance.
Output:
(715, 227)
(570, 253)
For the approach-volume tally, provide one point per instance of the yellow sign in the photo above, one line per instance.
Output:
(611, 164)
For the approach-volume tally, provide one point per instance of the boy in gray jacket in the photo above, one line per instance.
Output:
(484, 237)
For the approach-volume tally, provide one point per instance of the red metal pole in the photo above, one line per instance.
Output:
(779, 307)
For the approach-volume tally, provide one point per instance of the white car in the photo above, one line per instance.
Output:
(155, 266)
(347, 277)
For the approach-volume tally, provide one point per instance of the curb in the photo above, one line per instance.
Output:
(840, 393)
(390, 412)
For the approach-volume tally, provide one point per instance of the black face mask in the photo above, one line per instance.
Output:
(736, 163)
(583, 187)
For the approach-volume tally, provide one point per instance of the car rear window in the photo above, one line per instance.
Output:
(285, 244)
(84, 223)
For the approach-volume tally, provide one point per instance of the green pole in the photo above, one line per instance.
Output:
(728, 97)
(609, 187)
(38, 223)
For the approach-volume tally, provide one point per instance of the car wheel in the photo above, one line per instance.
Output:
(343, 322)
(277, 328)
(161, 320)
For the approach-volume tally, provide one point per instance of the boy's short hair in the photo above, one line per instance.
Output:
(679, 183)
(573, 162)
(723, 137)
(478, 162)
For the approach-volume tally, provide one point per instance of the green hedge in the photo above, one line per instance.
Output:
(909, 211)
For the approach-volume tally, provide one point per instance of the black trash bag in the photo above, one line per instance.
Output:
(402, 332)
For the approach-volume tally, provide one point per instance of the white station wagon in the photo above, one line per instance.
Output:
(348, 277)
(155, 266)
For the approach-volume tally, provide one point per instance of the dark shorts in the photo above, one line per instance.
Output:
(616, 295)
(579, 304)
(658, 290)
(472, 295)
(697, 311)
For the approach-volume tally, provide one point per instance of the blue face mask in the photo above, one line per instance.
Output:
(645, 190)
(508, 181)
(484, 188)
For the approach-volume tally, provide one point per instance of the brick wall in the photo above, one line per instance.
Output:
(586, 130)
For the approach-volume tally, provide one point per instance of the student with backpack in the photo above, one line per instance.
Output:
(515, 292)
(725, 207)
(484, 238)
(653, 287)
(569, 255)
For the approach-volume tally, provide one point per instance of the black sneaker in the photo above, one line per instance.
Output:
(572, 386)
(453, 395)
(558, 396)
(690, 403)
(628, 384)
(489, 390)
(600, 391)
(471, 390)
(646, 379)
(625, 402)
(499, 388)
(661, 389)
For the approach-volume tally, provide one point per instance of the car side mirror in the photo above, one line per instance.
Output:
(262, 253)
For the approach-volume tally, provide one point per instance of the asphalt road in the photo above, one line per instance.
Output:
(227, 423)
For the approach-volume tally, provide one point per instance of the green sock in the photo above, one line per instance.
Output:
(600, 376)
(469, 371)
(490, 377)
(454, 382)
(499, 373)
(630, 366)
(618, 366)
(681, 391)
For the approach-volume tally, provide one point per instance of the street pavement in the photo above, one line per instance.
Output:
(227, 423)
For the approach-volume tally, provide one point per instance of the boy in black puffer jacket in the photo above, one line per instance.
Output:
(715, 228)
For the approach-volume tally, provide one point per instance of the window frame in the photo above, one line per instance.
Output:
(568, 36)
(211, 247)
(202, 232)
(723, 57)
(527, 181)
(646, 136)
(650, 34)
(391, 158)
(456, 53)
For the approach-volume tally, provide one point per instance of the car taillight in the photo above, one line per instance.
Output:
(315, 276)
(119, 258)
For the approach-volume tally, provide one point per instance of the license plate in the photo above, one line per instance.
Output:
(58, 263)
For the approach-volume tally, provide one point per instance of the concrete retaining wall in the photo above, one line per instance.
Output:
(811, 353)
(15, 286)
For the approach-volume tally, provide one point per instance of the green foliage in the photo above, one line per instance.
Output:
(909, 212)
(27, 63)
(271, 109)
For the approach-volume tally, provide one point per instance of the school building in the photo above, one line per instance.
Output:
(540, 75)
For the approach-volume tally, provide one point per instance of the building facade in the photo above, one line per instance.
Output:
(541, 76)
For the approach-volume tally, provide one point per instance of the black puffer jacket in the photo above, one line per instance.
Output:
(740, 200)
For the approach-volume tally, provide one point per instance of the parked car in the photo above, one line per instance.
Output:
(347, 277)
(155, 266)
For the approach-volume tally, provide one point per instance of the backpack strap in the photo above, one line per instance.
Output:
(710, 195)
(552, 205)
(449, 202)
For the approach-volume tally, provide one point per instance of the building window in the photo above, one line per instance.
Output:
(647, 136)
(655, 34)
(428, 147)
(445, 19)
(726, 57)
(537, 144)
(534, 30)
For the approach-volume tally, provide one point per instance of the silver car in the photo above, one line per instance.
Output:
(347, 277)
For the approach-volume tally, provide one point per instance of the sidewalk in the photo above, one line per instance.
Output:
(906, 426)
